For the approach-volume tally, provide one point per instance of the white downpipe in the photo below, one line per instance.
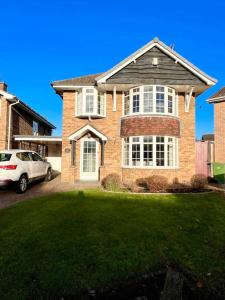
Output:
(10, 121)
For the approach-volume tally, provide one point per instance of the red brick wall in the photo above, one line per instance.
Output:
(110, 126)
(142, 125)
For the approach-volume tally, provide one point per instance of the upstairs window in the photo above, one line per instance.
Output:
(160, 99)
(150, 99)
(90, 103)
(89, 100)
(136, 100)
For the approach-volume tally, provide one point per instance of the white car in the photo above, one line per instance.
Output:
(20, 167)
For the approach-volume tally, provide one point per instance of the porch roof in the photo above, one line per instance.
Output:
(87, 128)
(37, 138)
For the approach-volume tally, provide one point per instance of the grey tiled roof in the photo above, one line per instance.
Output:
(219, 95)
(82, 80)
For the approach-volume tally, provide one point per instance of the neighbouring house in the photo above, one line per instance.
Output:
(136, 119)
(23, 128)
(218, 99)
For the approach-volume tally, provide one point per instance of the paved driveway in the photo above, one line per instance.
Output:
(8, 197)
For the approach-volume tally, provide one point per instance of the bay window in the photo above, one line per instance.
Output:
(150, 152)
(90, 103)
(150, 99)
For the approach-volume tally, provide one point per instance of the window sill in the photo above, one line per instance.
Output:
(93, 116)
(150, 168)
(150, 115)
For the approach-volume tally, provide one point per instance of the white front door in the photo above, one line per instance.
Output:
(89, 159)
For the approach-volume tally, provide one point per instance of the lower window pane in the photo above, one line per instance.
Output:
(136, 155)
(160, 154)
(170, 155)
(126, 153)
(148, 155)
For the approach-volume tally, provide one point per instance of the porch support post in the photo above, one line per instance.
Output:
(73, 152)
(102, 153)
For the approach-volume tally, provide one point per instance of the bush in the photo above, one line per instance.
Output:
(199, 181)
(141, 182)
(134, 187)
(156, 183)
(112, 182)
(179, 188)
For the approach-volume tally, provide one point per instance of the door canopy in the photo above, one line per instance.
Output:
(84, 130)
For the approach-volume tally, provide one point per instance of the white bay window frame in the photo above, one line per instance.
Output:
(132, 140)
(81, 102)
(133, 92)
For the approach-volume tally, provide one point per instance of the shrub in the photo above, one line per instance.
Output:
(179, 188)
(112, 182)
(141, 182)
(134, 188)
(199, 181)
(156, 183)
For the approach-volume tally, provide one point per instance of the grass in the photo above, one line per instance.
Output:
(66, 243)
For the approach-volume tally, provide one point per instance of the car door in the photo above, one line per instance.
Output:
(39, 164)
(26, 165)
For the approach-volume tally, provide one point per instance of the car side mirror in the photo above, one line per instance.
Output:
(44, 160)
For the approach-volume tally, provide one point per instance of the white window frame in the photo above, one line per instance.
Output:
(141, 101)
(83, 112)
(154, 166)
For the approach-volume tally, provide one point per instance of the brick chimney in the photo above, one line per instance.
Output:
(3, 86)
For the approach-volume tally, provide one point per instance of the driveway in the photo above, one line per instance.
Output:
(8, 197)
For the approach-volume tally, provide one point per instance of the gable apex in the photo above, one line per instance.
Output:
(168, 51)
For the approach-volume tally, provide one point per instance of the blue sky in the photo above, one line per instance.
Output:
(42, 41)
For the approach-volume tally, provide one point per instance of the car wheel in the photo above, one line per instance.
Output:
(48, 176)
(22, 184)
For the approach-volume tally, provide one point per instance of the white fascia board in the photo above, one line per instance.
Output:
(38, 139)
(7, 96)
(217, 99)
(208, 80)
(72, 87)
(85, 129)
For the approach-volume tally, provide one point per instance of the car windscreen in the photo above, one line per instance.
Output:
(5, 157)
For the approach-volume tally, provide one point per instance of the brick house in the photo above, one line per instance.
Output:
(24, 128)
(136, 119)
(218, 99)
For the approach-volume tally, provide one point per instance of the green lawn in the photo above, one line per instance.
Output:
(66, 243)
